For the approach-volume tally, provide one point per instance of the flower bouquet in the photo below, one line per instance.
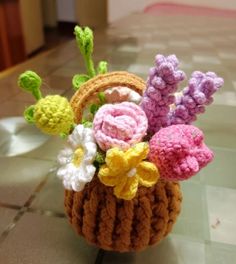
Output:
(128, 143)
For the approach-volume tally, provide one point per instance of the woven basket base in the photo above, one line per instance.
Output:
(119, 225)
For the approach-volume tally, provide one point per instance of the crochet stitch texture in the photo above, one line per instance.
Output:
(53, 115)
(120, 125)
(123, 225)
(162, 83)
(179, 152)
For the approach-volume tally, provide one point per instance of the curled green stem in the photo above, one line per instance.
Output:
(30, 81)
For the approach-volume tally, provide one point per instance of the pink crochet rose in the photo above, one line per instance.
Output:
(179, 151)
(119, 125)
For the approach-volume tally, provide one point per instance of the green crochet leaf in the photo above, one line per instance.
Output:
(78, 80)
(93, 109)
(30, 81)
(102, 98)
(29, 114)
(102, 67)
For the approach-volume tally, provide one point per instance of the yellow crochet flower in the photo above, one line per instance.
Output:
(53, 115)
(126, 170)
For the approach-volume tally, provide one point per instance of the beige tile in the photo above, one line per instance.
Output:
(38, 239)
(221, 171)
(217, 253)
(7, 215)
(173, 250)
(222, 215)
(51, 197)
(49, 150)
(19, 177)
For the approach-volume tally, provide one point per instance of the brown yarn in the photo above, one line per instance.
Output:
(99, 84)
(106, 221)
(121, 225)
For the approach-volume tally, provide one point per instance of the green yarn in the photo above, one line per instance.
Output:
(102, 67)
(102, 98)
(84, 40)
(100, 157)
(29, 114)
(78, 80)
(30, 81)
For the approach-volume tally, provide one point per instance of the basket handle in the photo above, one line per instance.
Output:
(99, 84)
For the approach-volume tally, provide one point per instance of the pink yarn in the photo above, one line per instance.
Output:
(120, 125)
(179, 152)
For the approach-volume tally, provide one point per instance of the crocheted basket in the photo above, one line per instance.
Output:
(116, 224)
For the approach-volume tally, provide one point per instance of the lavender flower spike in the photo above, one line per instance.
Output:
(195, 97)
(162, 82)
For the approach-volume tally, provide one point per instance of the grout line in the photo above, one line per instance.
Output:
(100, 256)
(23, 209)
(46, 212)
(10, 227)
(10, 206)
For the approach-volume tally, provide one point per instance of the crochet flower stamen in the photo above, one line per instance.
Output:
(76, 160)
(125, 171)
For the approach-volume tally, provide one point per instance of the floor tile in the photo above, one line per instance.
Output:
(221, 171)
(38, 239)
(51, 197)
(6, 216)
(217, 253)
(49, 150)
(222, 215)
(173, 250)
(193, 219)
(19, 177)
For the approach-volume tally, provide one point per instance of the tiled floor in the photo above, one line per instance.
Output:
(33, 228)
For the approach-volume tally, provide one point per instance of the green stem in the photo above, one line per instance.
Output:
(37, 94)
(89, 65)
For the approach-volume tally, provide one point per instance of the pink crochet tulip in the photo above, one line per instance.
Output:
(120, 125)
(179, 152)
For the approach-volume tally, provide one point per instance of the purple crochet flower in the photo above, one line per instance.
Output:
(162, 83)
(195, 97)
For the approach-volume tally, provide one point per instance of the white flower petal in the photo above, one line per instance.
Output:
(76, 176)
(78, 186)
(90, 171)
(62, 172)
(90, 151)
(64, 156)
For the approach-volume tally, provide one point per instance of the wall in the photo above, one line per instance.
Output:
(66, 10)
(32, 24)
(223, 4)
(49, 8)
(121, 8)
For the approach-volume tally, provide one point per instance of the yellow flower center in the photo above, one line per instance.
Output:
(132, 172)
(78, 156)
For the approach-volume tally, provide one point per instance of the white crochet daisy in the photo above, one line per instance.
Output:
(76, 159)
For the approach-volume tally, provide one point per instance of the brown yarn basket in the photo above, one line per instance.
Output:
(106, 221)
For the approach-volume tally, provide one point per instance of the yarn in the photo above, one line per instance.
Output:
(120, 225)
(53, 115)
(125, 171)
(179, 152)
(101, 83)
(120, 125)
(77, 158)
(30, 81)
(195, 97)
(84, 40)
(162, 82)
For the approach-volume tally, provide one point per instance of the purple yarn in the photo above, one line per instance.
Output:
(163, 80)
(195, 97)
